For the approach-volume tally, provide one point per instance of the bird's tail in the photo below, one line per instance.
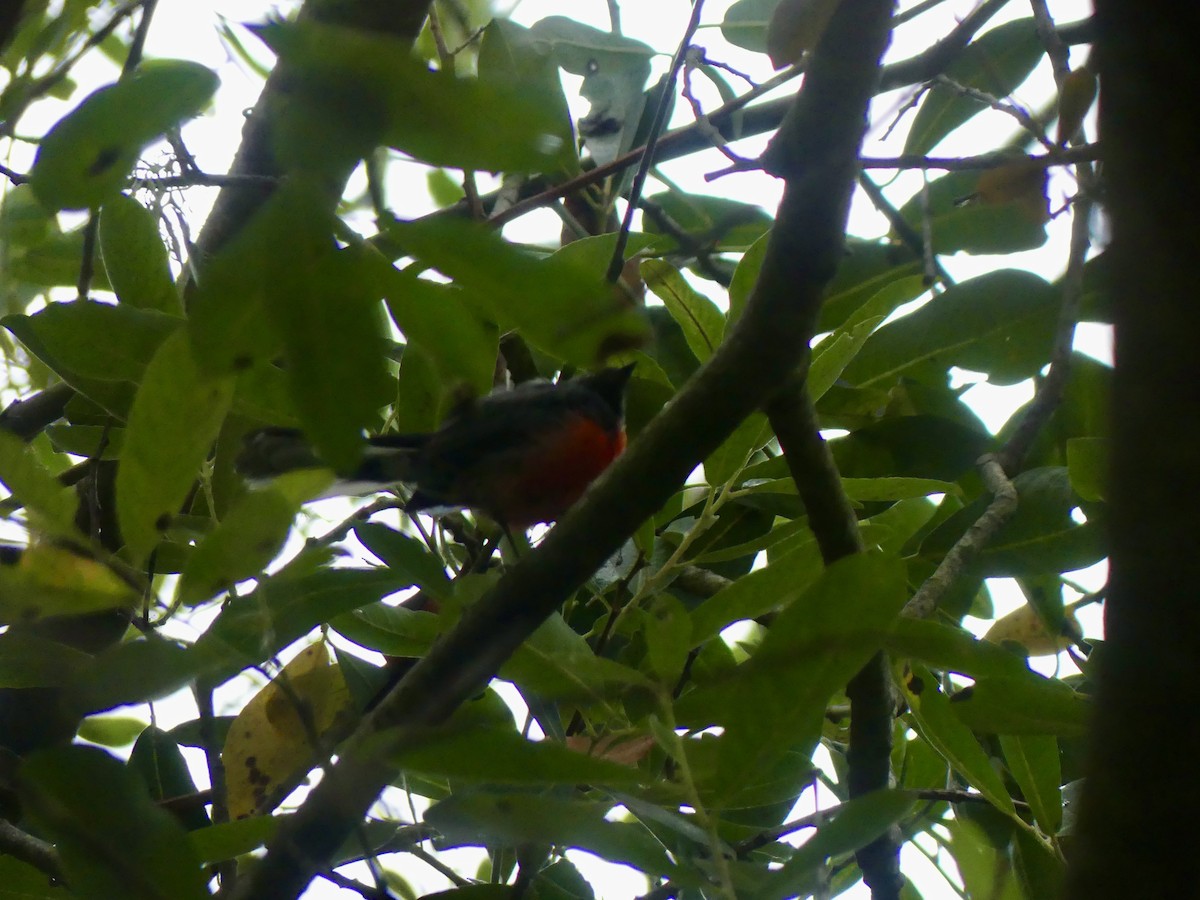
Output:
(387, 459)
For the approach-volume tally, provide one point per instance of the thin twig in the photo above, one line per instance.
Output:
(1085, 152)
(904, 230)
(1060, 56)
(1009, 109)
(617, 263)
(1004, 503)
(446, 58)
(1050, 391)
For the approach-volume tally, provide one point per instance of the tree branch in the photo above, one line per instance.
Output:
(19, 845)
(872, 707)
(1137, 828)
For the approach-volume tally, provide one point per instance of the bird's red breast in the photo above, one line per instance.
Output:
(556, 474)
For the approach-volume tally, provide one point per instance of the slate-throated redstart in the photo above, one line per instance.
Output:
(522, 456)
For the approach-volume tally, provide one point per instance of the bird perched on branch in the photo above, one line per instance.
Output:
(521, 456)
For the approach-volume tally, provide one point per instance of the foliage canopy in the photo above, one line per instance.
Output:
(788, 618)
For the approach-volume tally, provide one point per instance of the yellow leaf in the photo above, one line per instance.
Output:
(270, 742)
(1025, 627)
(49, 579)
(795, 28)
(1076, 97)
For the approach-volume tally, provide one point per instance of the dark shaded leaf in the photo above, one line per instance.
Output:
(1022, 706)
(856, 823)
(935, 721)
(406, 555)
(157, 760)
(512, 819)
(112, 838)
(1001, 323)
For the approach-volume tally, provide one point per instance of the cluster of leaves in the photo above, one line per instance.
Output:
(670, 747)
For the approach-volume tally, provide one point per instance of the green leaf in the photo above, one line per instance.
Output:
(229, 840)
(838, 349)
(935, 720)
(1023, 706)
(63, 336)
(23, 882)
(763, 590)
(131, 672)
(812, 648)
(172, 425)
(1041, 872)
(855, 824)
(285, 607)
(135, 257)
(556, 662)
(1034, 763)
(730, 458)
(1087, 465)
(702, 322)
(51, 504)
(328, 313)
(667, 630)
(158, 761)
(714, 224)
(745, 276)
(996, 63)
(392, 630)
(561, 304)
(84, 160)
(745, 24)
(920, 446)
(949, 647)
(435, 318)
(227, 318)
(1001, 323)
(869, 269)
(111, 731)
(403, 554)
(351, 90)
(512, 819)
(495, 755)
(510, 55)
(249, 536)
(112, 838)
(27, 660)
(957, 219)
(1040, 538)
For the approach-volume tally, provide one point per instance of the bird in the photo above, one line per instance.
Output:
(522, 456)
